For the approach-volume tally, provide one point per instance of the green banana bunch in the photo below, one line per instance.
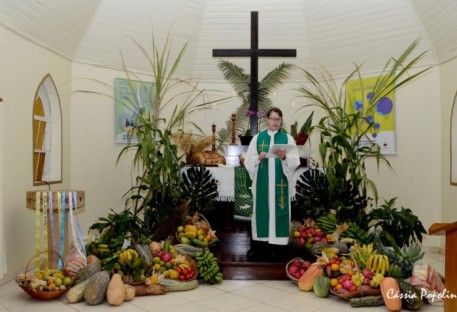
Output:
(327, 223)
(207, 266)
(356, 233)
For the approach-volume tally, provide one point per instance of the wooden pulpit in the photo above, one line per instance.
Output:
(450, 263)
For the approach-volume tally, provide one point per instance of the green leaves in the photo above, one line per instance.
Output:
(344, 143)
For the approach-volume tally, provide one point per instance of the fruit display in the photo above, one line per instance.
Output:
(106, 251)
(296, 268)
(50, 280)
(196, 234)
(401, 259)
(306, 236)
(208, 268)
(131, 266)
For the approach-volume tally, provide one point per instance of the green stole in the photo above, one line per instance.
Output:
(262, 189)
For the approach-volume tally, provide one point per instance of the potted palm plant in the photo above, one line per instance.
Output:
(240, 82)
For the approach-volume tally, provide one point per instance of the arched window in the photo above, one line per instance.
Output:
(47, 134)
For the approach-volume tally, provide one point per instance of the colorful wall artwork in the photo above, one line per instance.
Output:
(359, 94)
(129, 96)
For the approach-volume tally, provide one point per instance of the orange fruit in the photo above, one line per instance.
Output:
(333, 282)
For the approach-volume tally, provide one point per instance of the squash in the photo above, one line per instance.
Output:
(367, 301)
(96, 288)
(390, 291)
(116, 291)
(306, 281)
(321, 286)
(86, 272)
(411, 296)
(76, 293)
(130, 292)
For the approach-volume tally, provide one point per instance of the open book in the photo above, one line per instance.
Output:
(275, 147)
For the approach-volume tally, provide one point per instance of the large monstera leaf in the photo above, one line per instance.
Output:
(199, 185)
(312, 198)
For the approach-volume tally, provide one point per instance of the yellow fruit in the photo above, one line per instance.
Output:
(191, 234)
(180, 229)
(333, 282)
(173, 274)
(67, 281)
(156, 266)
(296, 234)
(58, 281)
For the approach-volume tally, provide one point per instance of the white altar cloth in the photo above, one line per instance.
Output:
(225, 177)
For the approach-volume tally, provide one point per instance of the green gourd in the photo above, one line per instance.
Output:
(410, 296)
(321, 286)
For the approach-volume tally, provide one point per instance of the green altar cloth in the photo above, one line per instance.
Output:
(243, 194)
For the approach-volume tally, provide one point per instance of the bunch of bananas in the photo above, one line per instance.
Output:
(376, 280)
(355, 232)
(378, 264)
(362, 254)
(128, 255)
(208, 268)
(327, 223)
(404, 258)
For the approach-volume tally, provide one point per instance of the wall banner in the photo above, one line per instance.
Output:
(358, 95)
(129, 96)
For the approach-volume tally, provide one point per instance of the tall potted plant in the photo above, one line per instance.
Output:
(341, 133)
(157, 195)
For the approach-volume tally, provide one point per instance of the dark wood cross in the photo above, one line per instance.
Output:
(254, 53)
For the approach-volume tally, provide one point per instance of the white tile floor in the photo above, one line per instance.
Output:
(230, 295)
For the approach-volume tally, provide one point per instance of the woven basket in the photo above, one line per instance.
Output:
(200, 222)
(189, 250)
(42, 294)
(293, 279)
(356, 294)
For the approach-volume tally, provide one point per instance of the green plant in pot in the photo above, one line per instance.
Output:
(157, 196)
(341, 132)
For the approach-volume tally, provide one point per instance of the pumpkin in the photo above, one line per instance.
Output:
(86, 272)
(129, 292)
(96, 288)
(321, 286)
(306, 281)
(390, 291)
(116, 291)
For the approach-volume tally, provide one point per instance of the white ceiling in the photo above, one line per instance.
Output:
(331, 33)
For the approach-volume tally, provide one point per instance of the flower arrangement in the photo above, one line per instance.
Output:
(302, 136)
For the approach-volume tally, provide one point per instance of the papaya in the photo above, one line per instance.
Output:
(321, 286)
(306, 281)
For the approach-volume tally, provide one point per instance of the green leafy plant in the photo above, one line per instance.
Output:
(302, 135)
(342, 132)
(399, 227)
(199, 185)
(241, 82)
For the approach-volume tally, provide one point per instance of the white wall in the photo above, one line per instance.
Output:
(448, 83)
(23, 66)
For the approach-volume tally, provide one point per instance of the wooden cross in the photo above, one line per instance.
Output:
(254, 53)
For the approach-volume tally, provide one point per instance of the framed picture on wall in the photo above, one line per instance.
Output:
(381, 117)
(129, 96)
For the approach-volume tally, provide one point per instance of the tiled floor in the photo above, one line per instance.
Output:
(230, 295)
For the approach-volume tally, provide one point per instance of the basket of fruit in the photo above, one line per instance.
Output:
(196, 232)
(45, 284)
(348, 286)
(295, 268)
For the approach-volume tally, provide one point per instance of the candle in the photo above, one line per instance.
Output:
(214, 113)
(293, 113)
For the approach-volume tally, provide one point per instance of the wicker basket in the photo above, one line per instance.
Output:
(42, 294)
(293, 279)
(200, 222)
(356, 294)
